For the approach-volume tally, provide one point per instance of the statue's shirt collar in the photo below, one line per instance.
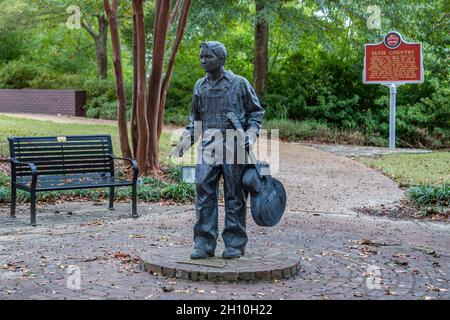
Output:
(227, 75)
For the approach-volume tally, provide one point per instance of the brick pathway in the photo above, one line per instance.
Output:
(344, 256)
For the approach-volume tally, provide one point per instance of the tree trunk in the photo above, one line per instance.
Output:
(155, 80)
(120, 88)
(179, 36)
(261, 50)
(148, 112)
(101, 47)
(141, 114)
(134, 126)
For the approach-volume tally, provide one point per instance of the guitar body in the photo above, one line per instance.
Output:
(267, 196)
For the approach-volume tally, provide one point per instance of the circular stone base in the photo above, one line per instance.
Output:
(263, 263)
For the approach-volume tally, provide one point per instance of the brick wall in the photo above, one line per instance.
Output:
(64, 102)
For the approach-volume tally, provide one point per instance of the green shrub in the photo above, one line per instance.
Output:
(102, 100)
(12, 45)
(53, 80)
(311, 130)
(180, 192)
(299, 130)
(431, 195)
(174, 173)
(18, 74)
(176, 117)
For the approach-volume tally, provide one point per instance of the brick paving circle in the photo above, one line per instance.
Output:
(259, 264)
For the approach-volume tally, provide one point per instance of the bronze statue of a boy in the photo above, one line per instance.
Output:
(216, 95)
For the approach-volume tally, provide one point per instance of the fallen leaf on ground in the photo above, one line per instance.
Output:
(389, 292)
(97, 222)
(430, 287)
(136, 236)
(182, 291)
(95, 258)
(400, 262)
(121, 255)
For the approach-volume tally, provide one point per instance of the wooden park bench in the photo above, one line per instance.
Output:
(63, 163)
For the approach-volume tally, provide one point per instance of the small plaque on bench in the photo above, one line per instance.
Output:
(61, 139)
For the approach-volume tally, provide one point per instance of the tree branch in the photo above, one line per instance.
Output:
(166, 82)
(87, 26)
(175, 12)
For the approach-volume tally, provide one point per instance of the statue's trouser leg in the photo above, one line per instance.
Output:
(234, 234)
(205, 228)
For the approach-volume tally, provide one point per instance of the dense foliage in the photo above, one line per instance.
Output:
(315, 64)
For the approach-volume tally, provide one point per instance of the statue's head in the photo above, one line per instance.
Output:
(212, 55)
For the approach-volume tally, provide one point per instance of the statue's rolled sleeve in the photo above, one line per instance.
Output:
(254, 112)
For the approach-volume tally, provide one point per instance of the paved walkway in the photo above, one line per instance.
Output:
(344, 254)
(364, 151)
(81, 250)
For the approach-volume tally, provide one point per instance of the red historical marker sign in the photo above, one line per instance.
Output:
(393, 61)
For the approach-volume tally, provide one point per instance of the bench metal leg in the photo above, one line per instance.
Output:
(33, 208)
(111, 198)
(134, 201)
(13, 200)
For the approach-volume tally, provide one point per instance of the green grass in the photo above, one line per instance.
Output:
(12, 126)
(427, 177)
(414, 169)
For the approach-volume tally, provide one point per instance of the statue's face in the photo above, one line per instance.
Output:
(208, 60)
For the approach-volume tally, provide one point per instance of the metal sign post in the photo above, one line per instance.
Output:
(392, 111)
(393, 62)
(392, 107)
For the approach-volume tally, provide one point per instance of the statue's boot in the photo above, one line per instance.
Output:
(232, 253)
(201, 254)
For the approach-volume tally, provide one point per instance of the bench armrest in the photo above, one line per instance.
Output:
(32, 167)
(133, 163)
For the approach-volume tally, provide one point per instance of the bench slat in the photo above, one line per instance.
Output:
(70, 153)
(60, 149)
(56, 172)
(94, 175)
(68, 138)
(68, 168)
(66, 158)
(62, 167)
(58, 162)
(66, 184)
(58, 144)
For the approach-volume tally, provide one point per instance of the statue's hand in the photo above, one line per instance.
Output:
(182, 146)
(180, 149)
(250, 137)
(177, 151)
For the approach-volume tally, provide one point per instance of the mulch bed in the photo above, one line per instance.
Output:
(404, 209)
(4, 166)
